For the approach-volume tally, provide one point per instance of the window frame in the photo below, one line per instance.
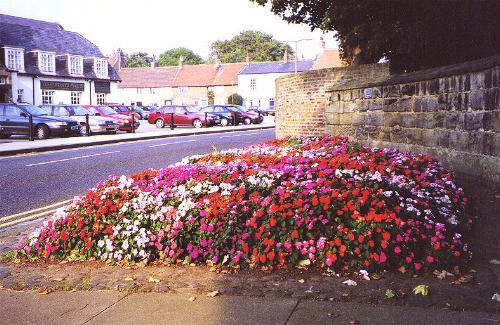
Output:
(76, 97)
(75, 65)
(101, 98)
(47, 62)
(20, 95)
(48, 97)
(101, 68)
(253, 84)
(18, 58)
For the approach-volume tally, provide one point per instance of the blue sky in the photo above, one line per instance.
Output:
(155, 26)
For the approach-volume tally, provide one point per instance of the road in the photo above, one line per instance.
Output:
(33, 181)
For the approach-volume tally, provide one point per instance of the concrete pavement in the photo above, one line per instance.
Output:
(111, 307)
(22, 145)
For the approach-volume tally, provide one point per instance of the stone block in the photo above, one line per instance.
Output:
(477, 101)
(433, 87)
(477, 81)
(390, 105)
(405, 105)
(467, 82)
(443, 138)
(430, 104)
(424, 120)
(360, 133)
(414, 136)
(487, 121)
(491, 99)
(417, 104)
(349, 107)
(422, 88)
(472, 141)
(495, 121)
(454, 140)
(397, 135)
(451, 120)
(407, 89)
(473, 121)
(488, 78)
(376, 105)
(333, 118)
(439, 119)
(377, 92)
(496, 77)
(443, 104)
(374, 119)
(384, 134)
(442, 86)
(408, 120)
(429, 137)
(491, 144)
(346, 118)
(390, 91)
(334, 107)
(358, 119)
(392, 119)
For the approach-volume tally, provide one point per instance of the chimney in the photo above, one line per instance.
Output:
(181, 59)
(322, 44)
(285, 56)
(247, 59)
(217, 63)
(153, 62)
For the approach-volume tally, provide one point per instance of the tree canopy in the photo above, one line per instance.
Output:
(171, 57)
(411, 34)
(259, 46)
(139, 59)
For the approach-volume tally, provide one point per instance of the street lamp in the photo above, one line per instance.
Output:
(296, 48)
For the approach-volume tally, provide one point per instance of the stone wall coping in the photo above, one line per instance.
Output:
(422, 75)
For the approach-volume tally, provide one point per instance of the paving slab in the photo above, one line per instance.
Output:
(157, 308)
(55, 308)
(326, 312)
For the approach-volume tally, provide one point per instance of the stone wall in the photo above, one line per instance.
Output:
(451, 113)
(301, 99)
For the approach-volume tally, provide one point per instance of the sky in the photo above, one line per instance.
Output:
(155, 26)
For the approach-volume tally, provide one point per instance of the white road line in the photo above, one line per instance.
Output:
(73, 158)
(238, 135)
(166, 144)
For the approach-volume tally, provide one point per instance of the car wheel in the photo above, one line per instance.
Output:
(224, 122)
(160, 123)
(5, 136)
(42, 132)
(197, 123)
(247, 121)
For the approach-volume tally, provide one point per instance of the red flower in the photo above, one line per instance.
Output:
(295, 234)
(361, 239)
(351, 237)
(272, 222)
(270, 256)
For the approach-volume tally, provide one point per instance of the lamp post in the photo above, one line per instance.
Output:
(297, 48)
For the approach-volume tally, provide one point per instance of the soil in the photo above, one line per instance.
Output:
(468, 291)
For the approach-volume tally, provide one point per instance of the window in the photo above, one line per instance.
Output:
(14, 59)
(101, 68)
(20, 95)
(75, 65)
(271, 102)
(47, 97)
(47, 62)
(253, 84)
(183, 90)
(3, 80)
(139, 90)
(11, 110)
(60, 111)
(152, 91)
(101, 99)
(75, 97)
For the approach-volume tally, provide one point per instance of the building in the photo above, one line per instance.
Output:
(182, 84)
(41, 63)
(257, 81)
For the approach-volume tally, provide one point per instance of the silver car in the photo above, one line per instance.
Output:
(97, 124)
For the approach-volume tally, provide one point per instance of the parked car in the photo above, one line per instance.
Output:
(263, 110)
(144, 114)
(97, 124)
(14, 120)
(182, 115)
(228, 113)
(125, 110)
(124, 121)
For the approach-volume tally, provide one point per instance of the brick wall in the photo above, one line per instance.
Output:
(451, 113)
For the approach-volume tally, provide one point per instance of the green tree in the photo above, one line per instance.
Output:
(412, 35)
(210, 97)
(139, 59)
(171, 57)
(259, 46)
(235, 99)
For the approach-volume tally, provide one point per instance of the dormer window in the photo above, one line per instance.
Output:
(101, 68)
(47, 62)
(14, 58)
(75, 65)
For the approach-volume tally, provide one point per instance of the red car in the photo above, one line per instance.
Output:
(183, 115)
(122, 109)
(124, 121)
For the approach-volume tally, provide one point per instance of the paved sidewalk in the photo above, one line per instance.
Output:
(8, 148)
(109, 307)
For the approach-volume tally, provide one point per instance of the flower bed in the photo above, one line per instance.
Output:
(322, 201)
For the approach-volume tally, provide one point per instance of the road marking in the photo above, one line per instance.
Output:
(166, 144)
(73, 158)
(35, 210)
(238, 135)
(28, 218)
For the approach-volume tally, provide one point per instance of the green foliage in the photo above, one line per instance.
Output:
(139, 59)
(412, 35)
(259, 46)
(211, 97)
(235, 99)
(389, 293)
(421, 289)
(171, 57)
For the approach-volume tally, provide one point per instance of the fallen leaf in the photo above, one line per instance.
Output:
(402, 269)
(129, 279)
(464, 279)
(350, 283)
(213, 269)
(377, 276)
(441, 275)
(213, 294)
(494, 261)
(43, 292)
(302, 281)
(151, 279)
(304, 263)
(389, 293)
(192, 298)
(354, 322)
(57, 279)
(421, 289)
(344, 295)
(226, 258)
(496, 297)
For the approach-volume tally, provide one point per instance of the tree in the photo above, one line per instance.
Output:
(235, 99)
(412, 35)
(171, 57)
(139, 59)
(211, 97)
(259, 46)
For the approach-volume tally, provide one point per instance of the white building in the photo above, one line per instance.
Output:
(257, 81)
(41, 63)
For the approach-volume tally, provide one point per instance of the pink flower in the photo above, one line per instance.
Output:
(417, 266)
(382, 258)
(397, 250)
(430, 259)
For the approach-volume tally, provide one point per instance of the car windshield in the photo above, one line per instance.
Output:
(107, 110)
(192, 110)
(34, 110)
(79, 111)
(239, 108)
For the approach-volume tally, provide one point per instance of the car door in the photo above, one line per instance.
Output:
(181, 116)
(17, 120)
(3, 120)
(166, 113)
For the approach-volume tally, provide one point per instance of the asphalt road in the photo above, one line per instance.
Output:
(32, 181)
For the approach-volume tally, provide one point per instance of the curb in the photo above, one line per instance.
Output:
(146, 137)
